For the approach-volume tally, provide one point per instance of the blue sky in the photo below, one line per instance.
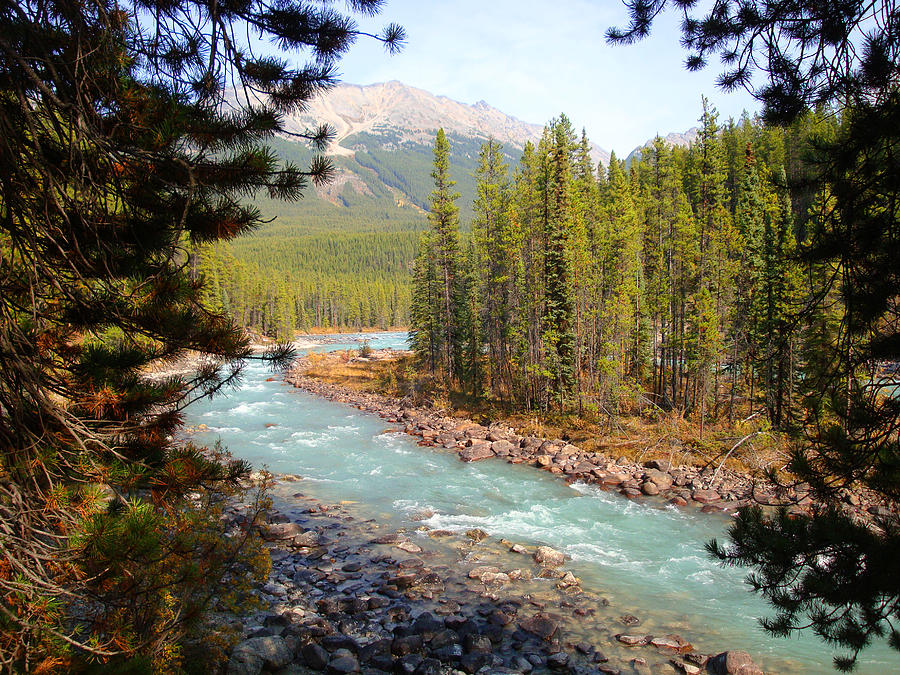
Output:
(534, 60)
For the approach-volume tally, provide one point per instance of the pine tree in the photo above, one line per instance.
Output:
(705, 179)
(529, 277)
(119, 160)
(751, 336)
(825, 571)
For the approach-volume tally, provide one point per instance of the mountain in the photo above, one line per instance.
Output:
(382, 152)
(674, 139)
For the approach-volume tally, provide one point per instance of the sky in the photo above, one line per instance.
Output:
(535, 60)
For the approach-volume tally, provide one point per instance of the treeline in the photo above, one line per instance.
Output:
(279, 285)
(675, 282)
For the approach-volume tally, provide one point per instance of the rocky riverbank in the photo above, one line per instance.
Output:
(711, 489)
(347, 594)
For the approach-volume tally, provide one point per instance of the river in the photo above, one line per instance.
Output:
(646, 558)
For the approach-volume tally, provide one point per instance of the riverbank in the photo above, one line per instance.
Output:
(641, 557)
(659, 476)
(348, 594)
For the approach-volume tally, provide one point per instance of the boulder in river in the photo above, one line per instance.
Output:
(649, 488)
(542, 625)
(734, 663)
(502, 448)
(705, 496)
(277, 531)
(548, 557)
(478, 450)
(634, 640)
(672, 643)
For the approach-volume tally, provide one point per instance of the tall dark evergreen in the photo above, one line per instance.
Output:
(117, 161)
(444, 250)
(425, 331)
(558, 321)
(497, 245)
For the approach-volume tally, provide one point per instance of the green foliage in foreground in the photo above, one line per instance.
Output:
(116, 161)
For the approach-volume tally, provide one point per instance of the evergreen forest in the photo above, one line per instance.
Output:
(341, 260)
(673, 282)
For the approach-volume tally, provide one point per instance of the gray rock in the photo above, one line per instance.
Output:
(343, 663)
(502, 448)
(339, 641)
(451, 653)
(403, 646)
(522, 664)
(273, 588)
(278, 531)
(472, 663)
(307, 539)
(558, 661)
(426, 624)
(541, 625)
(394, 538)
(429, 666)
(475, 643)
(244, 663)
(314, 656)
(477, 451)
(408, 664)
(252, 655)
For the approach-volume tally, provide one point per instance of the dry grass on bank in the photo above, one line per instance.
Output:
(746, 445)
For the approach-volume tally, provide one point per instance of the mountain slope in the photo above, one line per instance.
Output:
(382, 152)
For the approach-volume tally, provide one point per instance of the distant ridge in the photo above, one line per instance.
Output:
(674, 139)
(412, 115)
(382, 152)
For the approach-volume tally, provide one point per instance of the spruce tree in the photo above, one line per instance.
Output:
(444, 219)
(497, 247)
(558, 313)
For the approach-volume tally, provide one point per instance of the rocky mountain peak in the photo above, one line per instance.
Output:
(412, 115)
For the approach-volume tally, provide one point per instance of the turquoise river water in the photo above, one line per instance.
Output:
(646, 558)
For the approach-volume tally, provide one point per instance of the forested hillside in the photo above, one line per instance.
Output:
(342, 256)
(672, 283)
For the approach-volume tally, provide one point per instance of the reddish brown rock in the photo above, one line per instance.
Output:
(649, 488)
(672, 643)
(542, 625)
(734, 663)
(705, 496)
(634, 640)
(477, 451)
(548, 557)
